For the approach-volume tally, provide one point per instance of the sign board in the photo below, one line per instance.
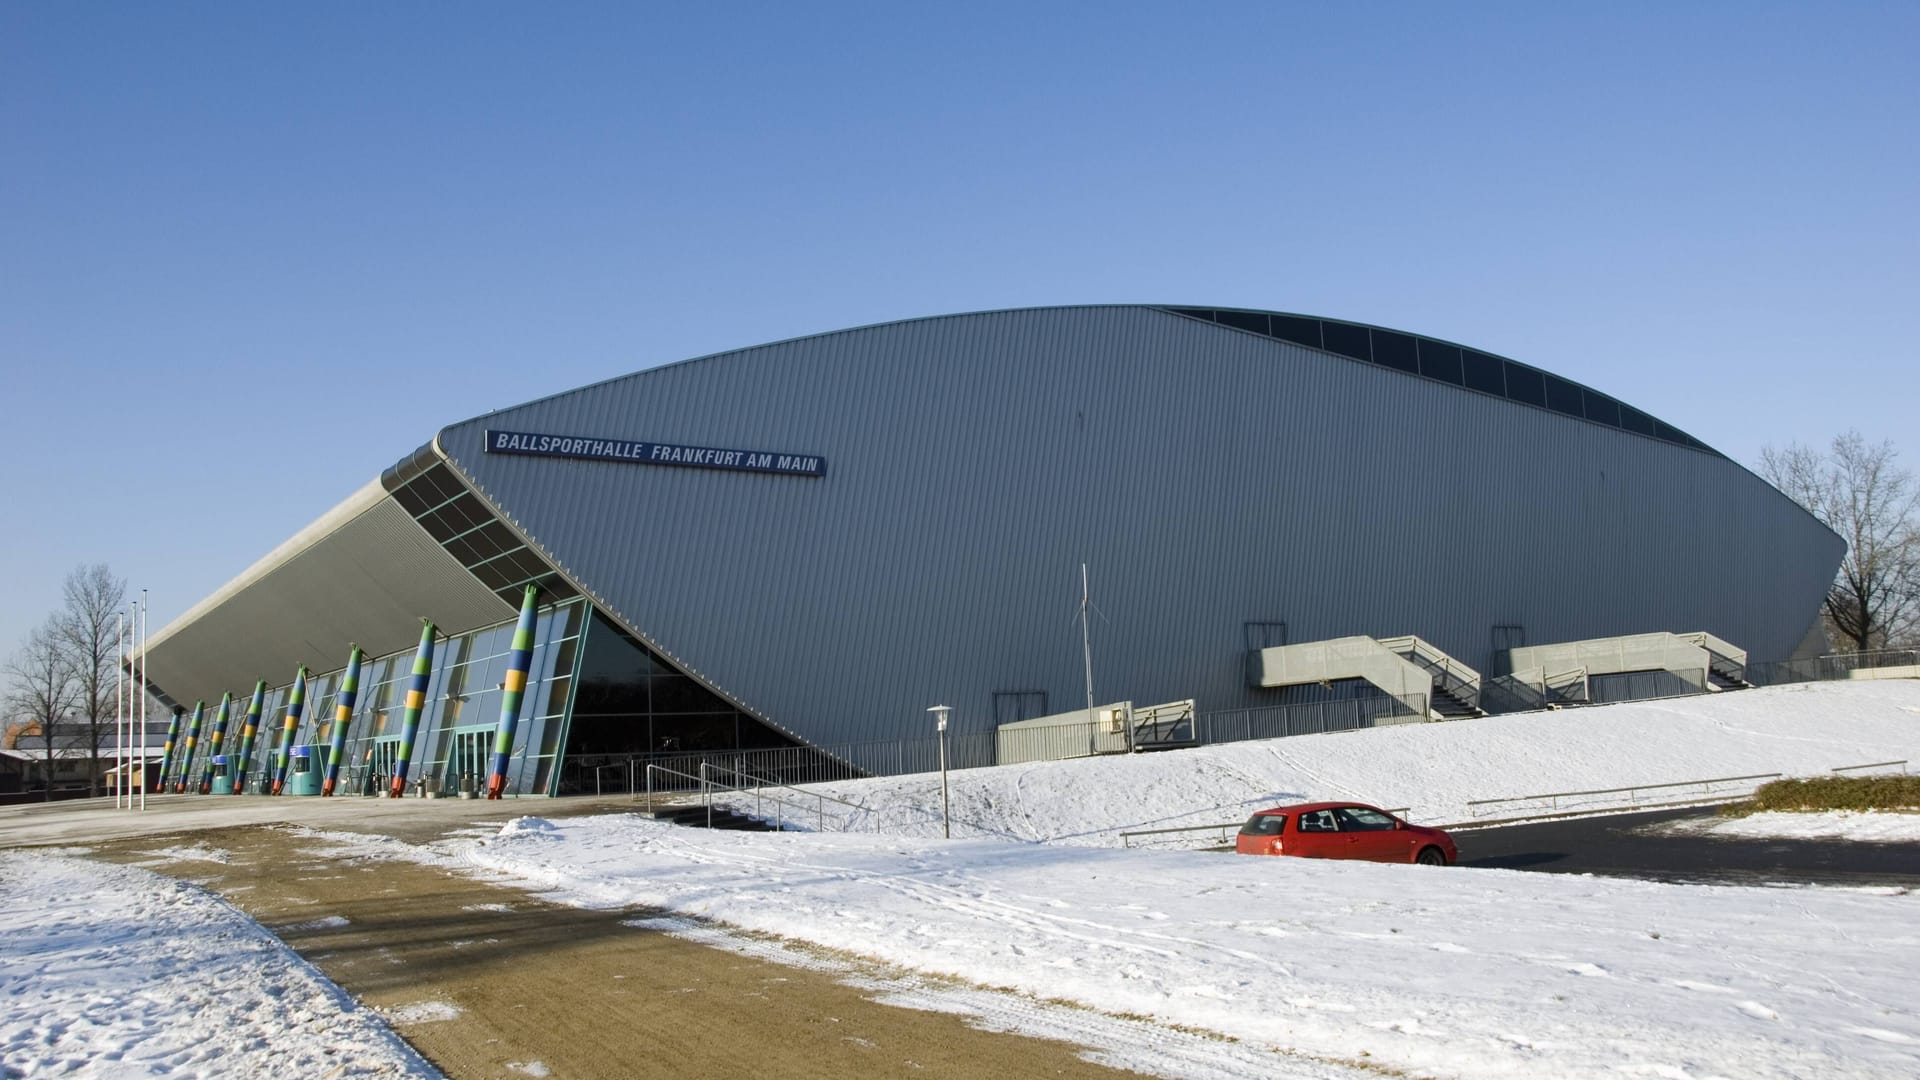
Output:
(653, 453)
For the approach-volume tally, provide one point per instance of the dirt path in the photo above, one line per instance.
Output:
(487, 981)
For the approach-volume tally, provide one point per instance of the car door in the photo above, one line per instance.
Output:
(1370, 834)
(1316, 835)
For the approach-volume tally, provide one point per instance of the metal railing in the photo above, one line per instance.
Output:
(1632, 791)
(1833, 666)
(663, 770)
(1872, 765)
(759, 786)
(1305, 718)
(1451, 671)
(626, 766)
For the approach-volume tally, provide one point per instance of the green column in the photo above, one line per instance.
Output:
(247, 732)
(296, 702)
(342, 717)
(518, 661)
(416, 703)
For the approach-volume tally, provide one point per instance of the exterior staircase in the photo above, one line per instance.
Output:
(695, 815)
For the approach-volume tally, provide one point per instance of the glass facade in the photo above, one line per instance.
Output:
(463, 694)
(631, 704)
(1450, 364)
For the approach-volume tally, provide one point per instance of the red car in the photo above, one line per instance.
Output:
(1332, 830)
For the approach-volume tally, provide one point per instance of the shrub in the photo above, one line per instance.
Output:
(1834, 793)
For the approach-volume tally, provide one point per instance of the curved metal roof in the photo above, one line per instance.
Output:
(1444, 361)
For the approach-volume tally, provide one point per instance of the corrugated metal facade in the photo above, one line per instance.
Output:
(1209, 476)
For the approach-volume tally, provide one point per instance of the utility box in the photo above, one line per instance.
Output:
(222, 777)
(303, 770)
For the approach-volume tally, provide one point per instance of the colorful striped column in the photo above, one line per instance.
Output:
(296, 703)
(186, 752)
(247, 732)
(166, 752)
(342, 717)
(517, 664)
(416, 702)
(214, 740)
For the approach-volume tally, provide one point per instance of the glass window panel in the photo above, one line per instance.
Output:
(1526, 384)
(439, 485)
(1563, 396)
(1346, 339)
(1395, 351)
(553, 696)
(560, 658)
(685, 733)
(1600, 407)
(439, 527)
(1195, 313)
(494, 575)
(1634, 420)
(466, 512)
(1484, 373)
(495, 673)
(493, 538)
(1243, 320)
(1297, 330)
(412, 499)
(531, 565)
(1438, 361)
(678, 693)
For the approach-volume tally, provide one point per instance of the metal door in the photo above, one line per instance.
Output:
(467, 767)
(382, 758)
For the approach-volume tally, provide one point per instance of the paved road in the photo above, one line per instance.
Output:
(1632, 845)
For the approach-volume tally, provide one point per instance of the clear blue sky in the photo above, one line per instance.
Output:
(251, 254)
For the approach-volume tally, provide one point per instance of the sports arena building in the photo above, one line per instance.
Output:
(806, 544)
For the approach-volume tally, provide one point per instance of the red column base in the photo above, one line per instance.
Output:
(326, 787)
(495, 785)
(399, 789)
(275, 790)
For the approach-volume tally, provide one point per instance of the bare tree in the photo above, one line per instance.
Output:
(1858, 491)
(89, 634)
(41, 688)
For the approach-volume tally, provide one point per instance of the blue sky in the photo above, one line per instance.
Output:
(253, 254)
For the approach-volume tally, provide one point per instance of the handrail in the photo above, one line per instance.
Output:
(598, 769)
(1871, 765)
(761, 782)
(1556, 796)
(701, 780)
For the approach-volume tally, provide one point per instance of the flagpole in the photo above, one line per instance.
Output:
(119, 704)
(143, 699)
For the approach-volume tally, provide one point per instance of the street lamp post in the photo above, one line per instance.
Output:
(940, 722)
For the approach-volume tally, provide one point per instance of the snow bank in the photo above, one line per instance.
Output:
(112, 970)
(1867, 827)
(1433, 769)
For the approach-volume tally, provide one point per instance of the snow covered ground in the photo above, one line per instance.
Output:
(1446, 972)
(1865, 827)
(1299, 968)
(1441, 971)
(1435, 770)
(116, 971)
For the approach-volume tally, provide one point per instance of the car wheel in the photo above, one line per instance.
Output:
(1431, 856)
